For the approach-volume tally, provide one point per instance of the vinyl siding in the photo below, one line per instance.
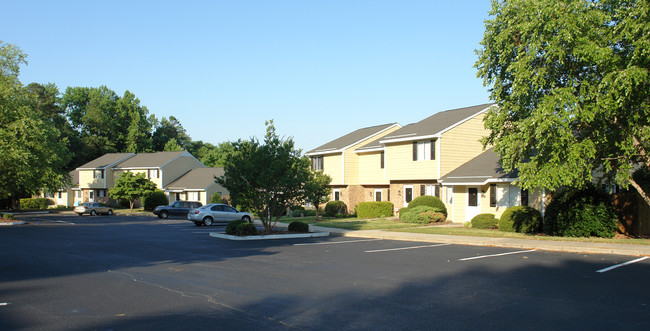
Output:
(370, 171)
(332, 166)
(400, 165)
(176, 168)
(86, 180)
(461, 144)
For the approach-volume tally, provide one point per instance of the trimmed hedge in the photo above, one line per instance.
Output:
(297, 226)
(422, 215)
(581, 213)
(216, 198)
(375, 209)
(484, 221)
(35, 203)
(522, 219)
(334, 208)
(428, 200)
(231, 228)
(155, 199)
(241, 228)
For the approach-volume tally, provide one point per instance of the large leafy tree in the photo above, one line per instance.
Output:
(571, 80)
(167, 129)
(266, 178)
(317, 189)
(131, 187)
(32, 153)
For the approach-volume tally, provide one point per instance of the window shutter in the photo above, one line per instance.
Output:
(415, 151)
(433, 149)
(493, 195)
(423, 190)
(382, 160)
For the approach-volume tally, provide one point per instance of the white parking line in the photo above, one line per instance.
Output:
(337, 242)
(404, 248)
(622, 264)
(494, 255)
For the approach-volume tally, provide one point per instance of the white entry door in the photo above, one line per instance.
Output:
(473, 203)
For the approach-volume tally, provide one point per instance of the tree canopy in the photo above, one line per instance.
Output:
(131, 187)
(317, 189)
(33, 155)
(265, 178)
(571, 80)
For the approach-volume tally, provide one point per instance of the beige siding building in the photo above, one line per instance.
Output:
(197, 185)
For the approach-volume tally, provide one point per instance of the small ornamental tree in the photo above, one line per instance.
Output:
(265, 178)
(131, 187)
(317, 189)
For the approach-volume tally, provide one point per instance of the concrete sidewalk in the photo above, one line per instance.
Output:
(546, 245)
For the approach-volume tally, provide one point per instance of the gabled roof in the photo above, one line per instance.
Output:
(480, 170)
(151, 160)
(106, 161)
(340, 144)
(199, 178)
(436, 124)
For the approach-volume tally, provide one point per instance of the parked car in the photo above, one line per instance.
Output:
(177, 208)
(93, 208)
(217, 212)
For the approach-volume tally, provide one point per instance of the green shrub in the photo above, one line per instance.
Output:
(297, 226)
(231, 228)
(522, 219)
(581, 213)
(375, 209)
(422, 215)
(154, 199)
(428, 200)
(334, 208)
(303, 213)
(35, 203)
(216, 198)
(484, 221)
(246, 229)
(8, 216)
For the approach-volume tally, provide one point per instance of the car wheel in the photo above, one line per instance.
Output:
(93, 213)
(110, 212)
(163, 214)
(247, 219)
(207, 221)
(197, 223)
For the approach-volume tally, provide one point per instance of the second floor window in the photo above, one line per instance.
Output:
(317, 163)
(98, 174)
(153, 173)
(424, 150)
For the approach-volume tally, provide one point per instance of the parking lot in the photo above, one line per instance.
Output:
(71, 272)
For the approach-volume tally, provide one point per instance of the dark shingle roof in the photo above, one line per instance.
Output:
(350, 139)
(199, 178)
(106, 160)
(435, 124)
(481, 169)
(150, 160)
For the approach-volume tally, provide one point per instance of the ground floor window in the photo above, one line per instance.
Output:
(193, 196)
(449, 195)
(337, 195)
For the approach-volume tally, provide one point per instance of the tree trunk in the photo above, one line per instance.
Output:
(639, 189)
(131, 202)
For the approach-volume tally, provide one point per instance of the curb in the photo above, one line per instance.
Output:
(271, 236)
(12, 223)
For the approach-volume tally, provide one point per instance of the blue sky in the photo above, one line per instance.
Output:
(319, 69)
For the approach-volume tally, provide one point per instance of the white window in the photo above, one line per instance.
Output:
(449, 195)
(378, 195)
(153, 173)
(98, 174)
(101, 193)
(193, 196)
(424, 150)
(79, 194)
(337, 195)
(508, 195)
(317, 163)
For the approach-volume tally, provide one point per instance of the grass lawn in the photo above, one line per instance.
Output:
(499, 234)
(352, 223)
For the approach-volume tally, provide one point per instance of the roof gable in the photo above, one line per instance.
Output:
(199, 178)
(436, 124)
(480, 170)
(351, 139)
(107, 160)
(151, 160)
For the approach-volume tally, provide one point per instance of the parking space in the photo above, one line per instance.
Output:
(131, 272)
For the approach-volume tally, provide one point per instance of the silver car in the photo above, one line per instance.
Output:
(217, 212)
(93, 208)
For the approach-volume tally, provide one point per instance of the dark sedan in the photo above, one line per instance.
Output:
(177, 208)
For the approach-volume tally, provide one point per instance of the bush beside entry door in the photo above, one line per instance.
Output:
(408, 194)
(473, 203)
